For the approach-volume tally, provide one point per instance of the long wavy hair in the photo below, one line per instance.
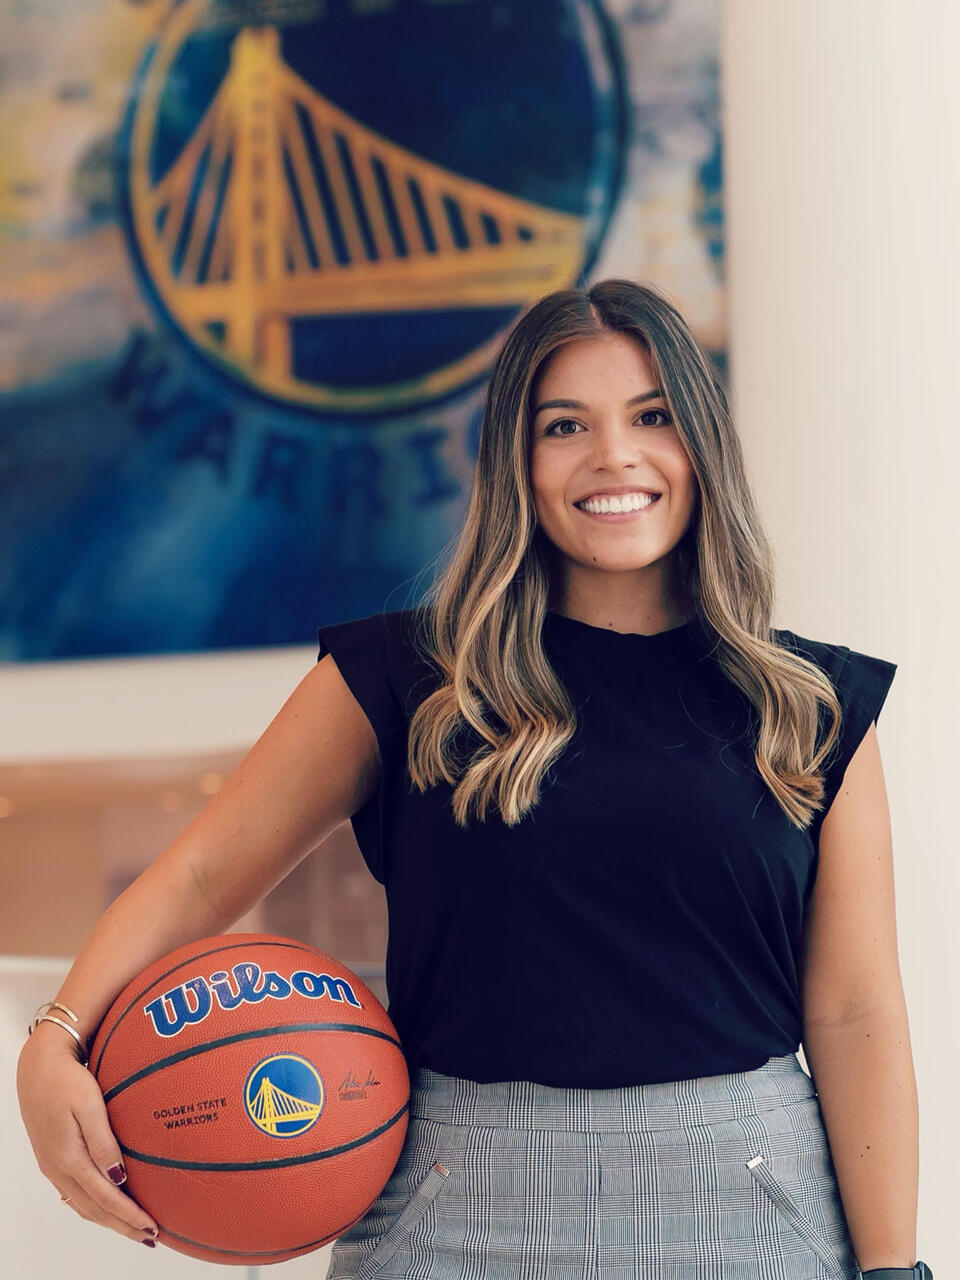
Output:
(480, 621)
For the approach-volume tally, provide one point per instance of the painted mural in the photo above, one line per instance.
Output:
(256, 259)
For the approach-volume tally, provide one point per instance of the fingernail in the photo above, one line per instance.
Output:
(151, 1243)
(116, 1173)
(154, 1231)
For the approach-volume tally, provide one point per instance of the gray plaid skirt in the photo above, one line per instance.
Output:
(725, 1177)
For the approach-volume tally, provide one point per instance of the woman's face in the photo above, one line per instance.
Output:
(618, 438)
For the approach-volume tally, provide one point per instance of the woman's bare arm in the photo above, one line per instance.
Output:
(316, 763)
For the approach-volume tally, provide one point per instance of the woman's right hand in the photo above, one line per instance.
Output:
(69, 1129)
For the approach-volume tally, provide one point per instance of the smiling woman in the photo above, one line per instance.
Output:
(592, 778)
(610, 758)
(599, 757)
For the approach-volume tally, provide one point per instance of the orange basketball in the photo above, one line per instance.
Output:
(259, 1094)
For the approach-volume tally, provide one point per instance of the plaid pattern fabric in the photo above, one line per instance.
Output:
(725, 1177)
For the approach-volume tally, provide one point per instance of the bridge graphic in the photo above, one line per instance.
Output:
(281, 205)
(272, 1107)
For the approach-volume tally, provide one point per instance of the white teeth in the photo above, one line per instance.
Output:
(628, 502)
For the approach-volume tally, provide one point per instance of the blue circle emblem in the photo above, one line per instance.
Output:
(343, 208)
(283, 1095)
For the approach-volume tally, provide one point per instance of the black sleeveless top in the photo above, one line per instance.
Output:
(643, 922)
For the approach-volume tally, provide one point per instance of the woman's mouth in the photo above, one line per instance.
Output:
(613, 516)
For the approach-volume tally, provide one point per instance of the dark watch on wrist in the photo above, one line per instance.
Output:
(919, 1271)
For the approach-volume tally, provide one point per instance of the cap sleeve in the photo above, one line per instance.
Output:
(360, 648)
(862, 683)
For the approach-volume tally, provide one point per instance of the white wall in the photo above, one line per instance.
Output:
(842, 186)
(179, 706)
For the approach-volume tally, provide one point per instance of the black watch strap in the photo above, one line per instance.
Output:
(920, 1271)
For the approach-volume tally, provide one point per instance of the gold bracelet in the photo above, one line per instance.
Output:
(46, 1017)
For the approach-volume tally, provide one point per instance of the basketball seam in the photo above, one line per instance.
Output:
(281, 1162)
(233, 946)
(263, 1253)
(255, 1033)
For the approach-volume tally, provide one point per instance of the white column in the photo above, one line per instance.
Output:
(841, 119)
(841, 122)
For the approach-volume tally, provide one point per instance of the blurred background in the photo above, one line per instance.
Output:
(256, 257)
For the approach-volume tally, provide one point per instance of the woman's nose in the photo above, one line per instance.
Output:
(615, 446)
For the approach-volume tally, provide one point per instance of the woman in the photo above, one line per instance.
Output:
(597, 787)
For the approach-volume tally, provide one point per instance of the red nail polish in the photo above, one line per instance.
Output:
(116, 1173)
(151, 1243)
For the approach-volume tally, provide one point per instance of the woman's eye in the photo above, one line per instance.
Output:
(549, 431)
(559, 422)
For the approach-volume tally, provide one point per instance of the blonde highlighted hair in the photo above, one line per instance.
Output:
(481, 619)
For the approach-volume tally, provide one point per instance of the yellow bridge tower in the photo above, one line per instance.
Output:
(240, 239)
(272, 1105)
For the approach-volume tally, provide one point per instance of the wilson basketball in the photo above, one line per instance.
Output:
(259, 1094)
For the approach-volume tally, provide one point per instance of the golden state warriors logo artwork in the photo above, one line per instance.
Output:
(283, 1095)
(341, 205)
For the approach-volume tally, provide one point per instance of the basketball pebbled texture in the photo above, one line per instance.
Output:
(259, 1094)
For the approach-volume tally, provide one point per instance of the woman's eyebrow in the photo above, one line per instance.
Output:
(655, 394)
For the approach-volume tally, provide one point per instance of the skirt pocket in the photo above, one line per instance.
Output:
(786, 1204)
(425, 1192)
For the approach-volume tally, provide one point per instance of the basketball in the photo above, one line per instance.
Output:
(259, 1093)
